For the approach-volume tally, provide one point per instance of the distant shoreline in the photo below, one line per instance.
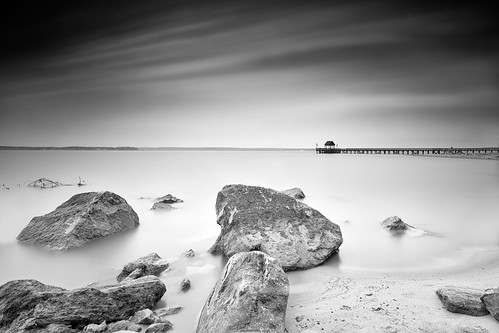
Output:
(127, 148)
(493, 156)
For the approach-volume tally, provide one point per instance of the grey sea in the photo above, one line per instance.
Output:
(452, 202)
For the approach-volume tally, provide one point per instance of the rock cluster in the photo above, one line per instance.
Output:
(31, 306)
(84, 217)
(165, 202)
(470, 301)
(258, 218)
(250, 296)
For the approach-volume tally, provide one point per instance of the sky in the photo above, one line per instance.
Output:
(249, 73)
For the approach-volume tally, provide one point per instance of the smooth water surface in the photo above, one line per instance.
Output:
(454, 200)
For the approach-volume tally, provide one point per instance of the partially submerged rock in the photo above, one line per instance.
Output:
(171, 310)
(162, 206)
(491, 301)
(295, 192)
(151, 264)
(45, 183)
(250, 296)
(258, 218)
(84, 217)
(189, 253)
(160, 327)
(463, 300)
(168, 199)
(185, 284)
(39, 305)
(395, 224)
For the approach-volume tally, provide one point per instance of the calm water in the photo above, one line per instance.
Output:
(455, 199)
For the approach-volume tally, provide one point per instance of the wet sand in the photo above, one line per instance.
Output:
(360, 301)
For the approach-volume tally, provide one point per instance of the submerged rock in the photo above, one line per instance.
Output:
(463, 300)
(250, 296)
(84, 217)
(162, 206)
(258, 218)
(151, 264)
(39, 305)
(395, 224)
(491, 301)
(295, 192)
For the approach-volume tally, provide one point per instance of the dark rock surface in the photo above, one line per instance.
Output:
(395, 224)
(168, 199)
(250, 296)
(151, 264)
(258, 218)
(295, 192)
(84, 217)
(463, 300)
(491, 301)
(185, 284)
(34, 306)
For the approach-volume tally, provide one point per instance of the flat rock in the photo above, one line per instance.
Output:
(491, 301)
(250, 296)
(168, 199)
(395, 224)
(123, 325)
(84, 217)
(160, 327)
(151, 264)
(463, 300)
(258, 218)
(40, 305)
(171, 310)
(295, 192)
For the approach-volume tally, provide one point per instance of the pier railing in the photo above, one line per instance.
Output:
(407, 151)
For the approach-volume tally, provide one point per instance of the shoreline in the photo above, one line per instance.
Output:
(490, 157)
(373, 301)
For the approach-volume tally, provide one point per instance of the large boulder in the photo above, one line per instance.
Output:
(491, 301)
(39, 305)
(258, 218)
(463, 300)
(250, 296)
(151, 264)
(84, 217)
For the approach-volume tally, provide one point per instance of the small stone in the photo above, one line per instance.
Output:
(295, 192)
(168, 311)
(94, 328)
(143, 317)
(185, 284)
(189, 253)
(168, 199)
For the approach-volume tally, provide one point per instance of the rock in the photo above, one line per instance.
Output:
(143, 317)
(250, 296)
(295, 192)
(491, 301)
(151, 264)
(189, 253)
(135, 274)
(258, 218)
(168, 199)
(94, 328)
(123, 325)
(43, 305)
(395, 224)
(168, 311)
(463, 300)
(185, 284)
(160, 327)
(162, 206)
(84, 217)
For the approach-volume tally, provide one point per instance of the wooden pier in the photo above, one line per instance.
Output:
(407, 151)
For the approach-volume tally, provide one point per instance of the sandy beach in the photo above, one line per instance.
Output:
(360, 301)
